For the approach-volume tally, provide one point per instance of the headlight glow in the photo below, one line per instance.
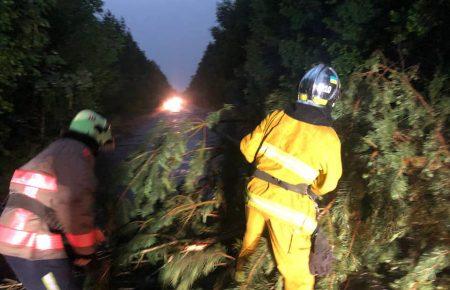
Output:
(173, 104)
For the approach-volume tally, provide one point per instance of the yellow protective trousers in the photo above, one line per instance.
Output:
(291, 247)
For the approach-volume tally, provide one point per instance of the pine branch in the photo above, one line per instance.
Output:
(146, 251)
(187, 207)
(255, 267)
(9, 284)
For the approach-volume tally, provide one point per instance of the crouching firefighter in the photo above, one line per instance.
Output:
(50, 205)
(297, 157)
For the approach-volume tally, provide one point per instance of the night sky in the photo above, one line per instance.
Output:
(173, 33)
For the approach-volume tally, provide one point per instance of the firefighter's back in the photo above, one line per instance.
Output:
(43, 179)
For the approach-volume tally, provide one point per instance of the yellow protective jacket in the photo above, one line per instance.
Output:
(296, 152)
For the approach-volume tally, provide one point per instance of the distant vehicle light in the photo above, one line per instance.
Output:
(173, 104)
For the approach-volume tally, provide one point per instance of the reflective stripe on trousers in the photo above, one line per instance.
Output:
(44, 274)
(50, 282)
(290, 162)
(284, 213)
(291, 249)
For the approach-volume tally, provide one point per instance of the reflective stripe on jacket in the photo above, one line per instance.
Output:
(295, 152)
(62, 178)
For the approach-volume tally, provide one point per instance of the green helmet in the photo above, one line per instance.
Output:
(90, 123)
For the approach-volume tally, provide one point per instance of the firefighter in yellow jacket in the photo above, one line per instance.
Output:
(50, 203)
(294, 150)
